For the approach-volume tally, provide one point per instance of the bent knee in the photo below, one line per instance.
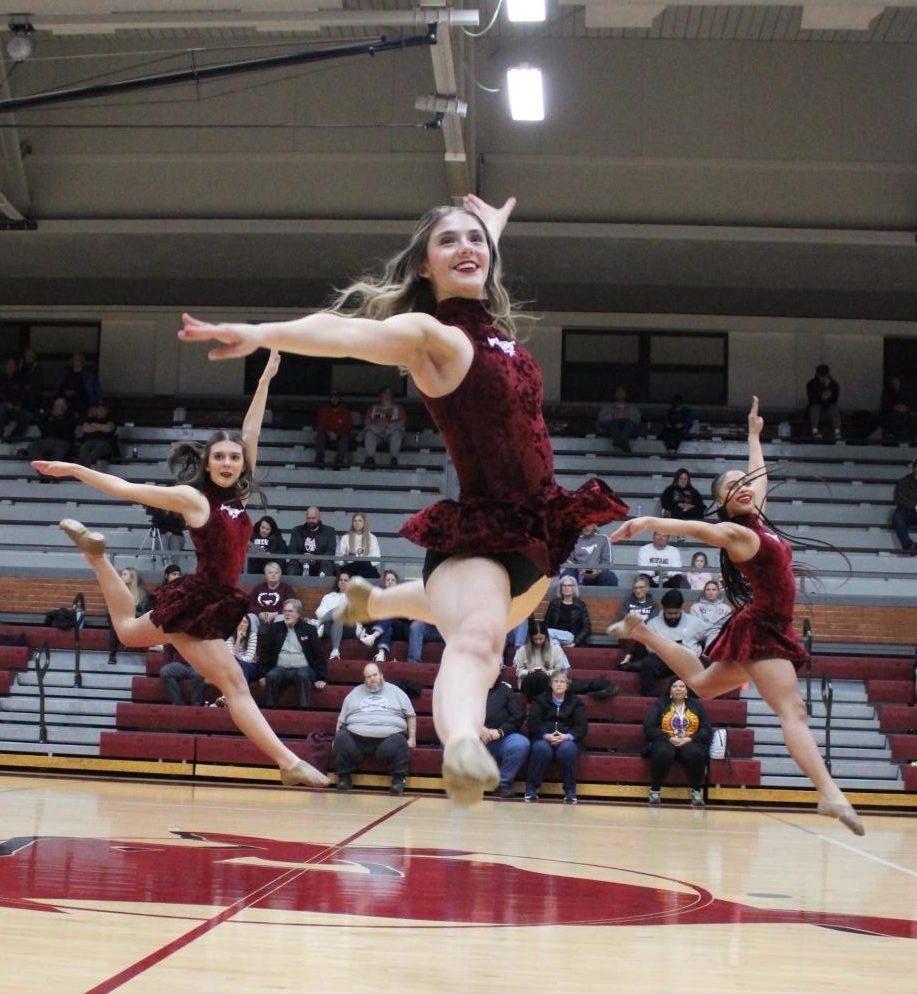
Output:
(478, 638)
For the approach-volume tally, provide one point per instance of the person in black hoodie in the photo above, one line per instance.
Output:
(502, 735)
(557, 727)
(681, 499)
(677, 729)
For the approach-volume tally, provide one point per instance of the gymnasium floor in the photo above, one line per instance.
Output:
(149, 888)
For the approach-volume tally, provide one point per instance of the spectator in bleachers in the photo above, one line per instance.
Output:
(171, 528)
(79, 385)
(679, 423)
(904, 517)
(590, 561)
(332, 428)
(822, 394)
(619, 420)
(502, 734)
(418, 633)
(538, 660)
(292, 654)
(378, 718)
(141, 600)
(11, 398)
(676, 626)
(895, 416)
(58, 428)
(266, 543)
(681, 499)
(30, 374)
(757, 641)
(677, 729)
(266, 599)
(317, 542)
(661, 562)
(640, 602)
(175, 669)
(358, 550)
(97, 437)
(699, 576)
(567, 616)
(711, 611)
(385, 421)
(557, 726)
(324, 615)
(243, 644)
(381, 634)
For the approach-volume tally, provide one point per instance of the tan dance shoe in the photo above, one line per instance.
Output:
(303, 774)
(844, 813)
(356, 608)
(89, 543)
(468, 770)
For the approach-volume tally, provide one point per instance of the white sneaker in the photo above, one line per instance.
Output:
(334, 654)
(379, 656)
(369, 638)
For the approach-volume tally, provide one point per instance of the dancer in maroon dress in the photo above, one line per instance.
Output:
(757, 642)
(197, 612)
(440, 311)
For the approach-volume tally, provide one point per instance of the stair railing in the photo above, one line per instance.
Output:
(807, 642)
(79, 619)
(827, 697)
(42, 667)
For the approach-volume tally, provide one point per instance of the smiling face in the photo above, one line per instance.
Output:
(264, 529)
(458, 257)
(225, 463)
(678, 691)
(734, 496)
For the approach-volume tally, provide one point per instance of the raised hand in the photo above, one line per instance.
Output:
(755, 421)
(238, 339)
(272, 365)
(57, 469)
(494, 218)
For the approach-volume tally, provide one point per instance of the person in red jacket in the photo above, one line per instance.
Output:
(332, 427)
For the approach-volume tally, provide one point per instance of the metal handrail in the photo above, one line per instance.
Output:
(827, 696)
(79, 617)
(40, 670)
(807, 642)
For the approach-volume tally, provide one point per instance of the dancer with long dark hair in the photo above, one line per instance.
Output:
(757, 641)
(440, 311)
(196, 613)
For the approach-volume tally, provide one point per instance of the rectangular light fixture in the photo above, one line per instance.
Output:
(526, 95)
(526, 10)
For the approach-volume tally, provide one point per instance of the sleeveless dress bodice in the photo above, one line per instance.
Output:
(495, 433)
(763, 629)
(207, 604)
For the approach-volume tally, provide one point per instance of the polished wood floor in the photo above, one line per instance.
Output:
(149, 888)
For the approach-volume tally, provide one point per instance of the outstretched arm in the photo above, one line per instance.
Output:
(740, 542)
(182, 499)
(494, 218)
(254, 416)
(756, 463)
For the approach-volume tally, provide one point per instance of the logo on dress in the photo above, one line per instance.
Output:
(497, 343)
(233, 512)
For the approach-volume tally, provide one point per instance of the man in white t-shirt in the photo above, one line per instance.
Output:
(661, 562)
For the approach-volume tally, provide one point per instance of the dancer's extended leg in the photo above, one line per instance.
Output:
(470, 602)
(777, 683)
(366, 602)
(213, 660)
(718, 678)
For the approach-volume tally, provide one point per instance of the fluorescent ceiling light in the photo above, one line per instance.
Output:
(526, 96)
(526, 10)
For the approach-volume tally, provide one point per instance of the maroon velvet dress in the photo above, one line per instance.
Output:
(494, 430)
(207, 604)
(763, 629)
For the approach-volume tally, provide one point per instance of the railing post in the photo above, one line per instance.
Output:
(807, 642)
(40, 670)
(827, 696)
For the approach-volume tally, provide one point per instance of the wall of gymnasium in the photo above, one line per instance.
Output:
(772, 357)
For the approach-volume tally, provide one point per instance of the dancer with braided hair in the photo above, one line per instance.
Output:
(440, 311)
(757, 642)
(196, 613)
